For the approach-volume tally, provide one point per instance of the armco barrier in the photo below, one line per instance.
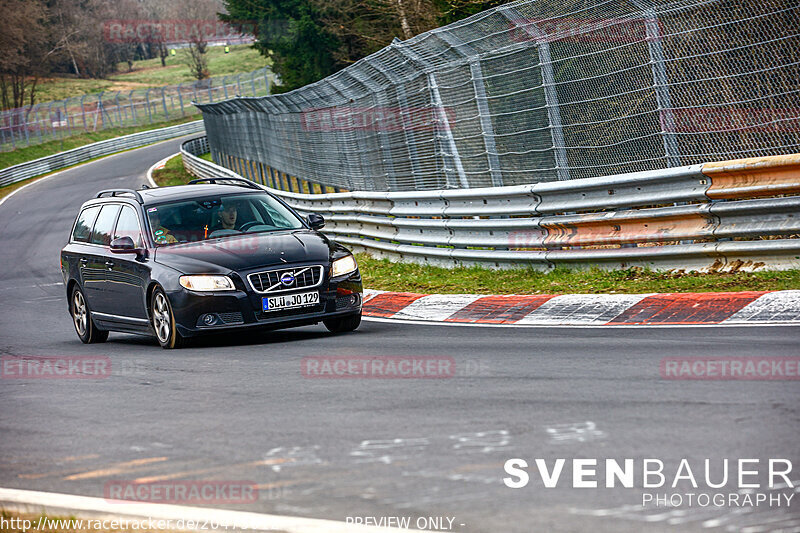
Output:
(754, 177)
(84, 153)
(608, 222)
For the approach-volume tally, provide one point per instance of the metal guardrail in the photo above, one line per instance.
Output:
(30, 169)
(609, 222)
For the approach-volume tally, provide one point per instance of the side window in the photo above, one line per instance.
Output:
(128, 226)
(104, 224)
(83, 228)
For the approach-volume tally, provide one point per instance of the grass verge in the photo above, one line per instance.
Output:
(173, 172)
(29, 153)
(382, 274)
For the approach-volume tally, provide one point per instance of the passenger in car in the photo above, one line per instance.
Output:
(161, 234)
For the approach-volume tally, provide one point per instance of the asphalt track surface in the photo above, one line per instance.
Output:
(239, 408)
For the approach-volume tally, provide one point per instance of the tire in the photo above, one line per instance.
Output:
(163, 321)
(343, 324)
(82, 319)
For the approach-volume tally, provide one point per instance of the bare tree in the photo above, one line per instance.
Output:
(206, 11)
(198, 63)
(25, 51)
(159, 13)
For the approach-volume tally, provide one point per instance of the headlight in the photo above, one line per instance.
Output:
(344, 265)
(207, 283)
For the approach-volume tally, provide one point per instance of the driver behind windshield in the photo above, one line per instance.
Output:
(228, 213)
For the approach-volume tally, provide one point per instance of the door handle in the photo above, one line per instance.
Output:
(109, 264)
(83, 261)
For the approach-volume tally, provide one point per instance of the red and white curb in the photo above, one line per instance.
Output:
(705, 308)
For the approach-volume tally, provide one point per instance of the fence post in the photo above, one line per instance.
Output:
(119, 112)
(164, 102)
(147, 103)
(101, 112)
(481, 101)
(180, 98)
(383, 141)
(253, 82)
(436, 101)
(266, 81)
(66, 115)
(448, 133)
(225, 86)
(666, 117)
(408, 134)
(239, 85)
(50, 119)
(133, 108)
(548, 83)
(83, 112)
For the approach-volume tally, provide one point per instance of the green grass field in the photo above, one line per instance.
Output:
(173, 172)
(150, 73)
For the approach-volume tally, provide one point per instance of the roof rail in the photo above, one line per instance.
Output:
(242, 182)
(120, 192)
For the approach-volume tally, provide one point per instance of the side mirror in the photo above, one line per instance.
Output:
(315, 221)
(124, 245)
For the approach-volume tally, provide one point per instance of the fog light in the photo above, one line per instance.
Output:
(353, 299)
(209, 319)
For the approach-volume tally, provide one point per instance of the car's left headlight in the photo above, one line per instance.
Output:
(206, 283)
(343, 265)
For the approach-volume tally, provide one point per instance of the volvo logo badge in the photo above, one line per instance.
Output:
(287, 278)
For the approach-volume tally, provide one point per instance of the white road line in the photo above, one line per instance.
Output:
(436, 306)
(160, 164)
(251, 521)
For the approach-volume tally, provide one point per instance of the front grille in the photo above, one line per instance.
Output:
(231, 318)
(270, 280)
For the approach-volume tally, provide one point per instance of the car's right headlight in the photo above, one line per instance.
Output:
(207, 283)
(343, 265)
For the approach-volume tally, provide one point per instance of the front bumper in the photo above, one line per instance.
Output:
(241, 309)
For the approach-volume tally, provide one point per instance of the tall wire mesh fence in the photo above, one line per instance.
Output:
(49, 121)
(536, 90)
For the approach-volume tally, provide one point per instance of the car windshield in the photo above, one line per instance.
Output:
(217, 217)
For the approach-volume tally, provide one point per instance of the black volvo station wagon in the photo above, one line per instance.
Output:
(211, 256)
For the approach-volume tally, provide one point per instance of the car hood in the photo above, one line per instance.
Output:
(247, 252)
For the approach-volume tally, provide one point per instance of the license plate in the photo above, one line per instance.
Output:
(288, 301)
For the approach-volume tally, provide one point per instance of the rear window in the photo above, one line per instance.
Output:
(83, 227)
(105, 224)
